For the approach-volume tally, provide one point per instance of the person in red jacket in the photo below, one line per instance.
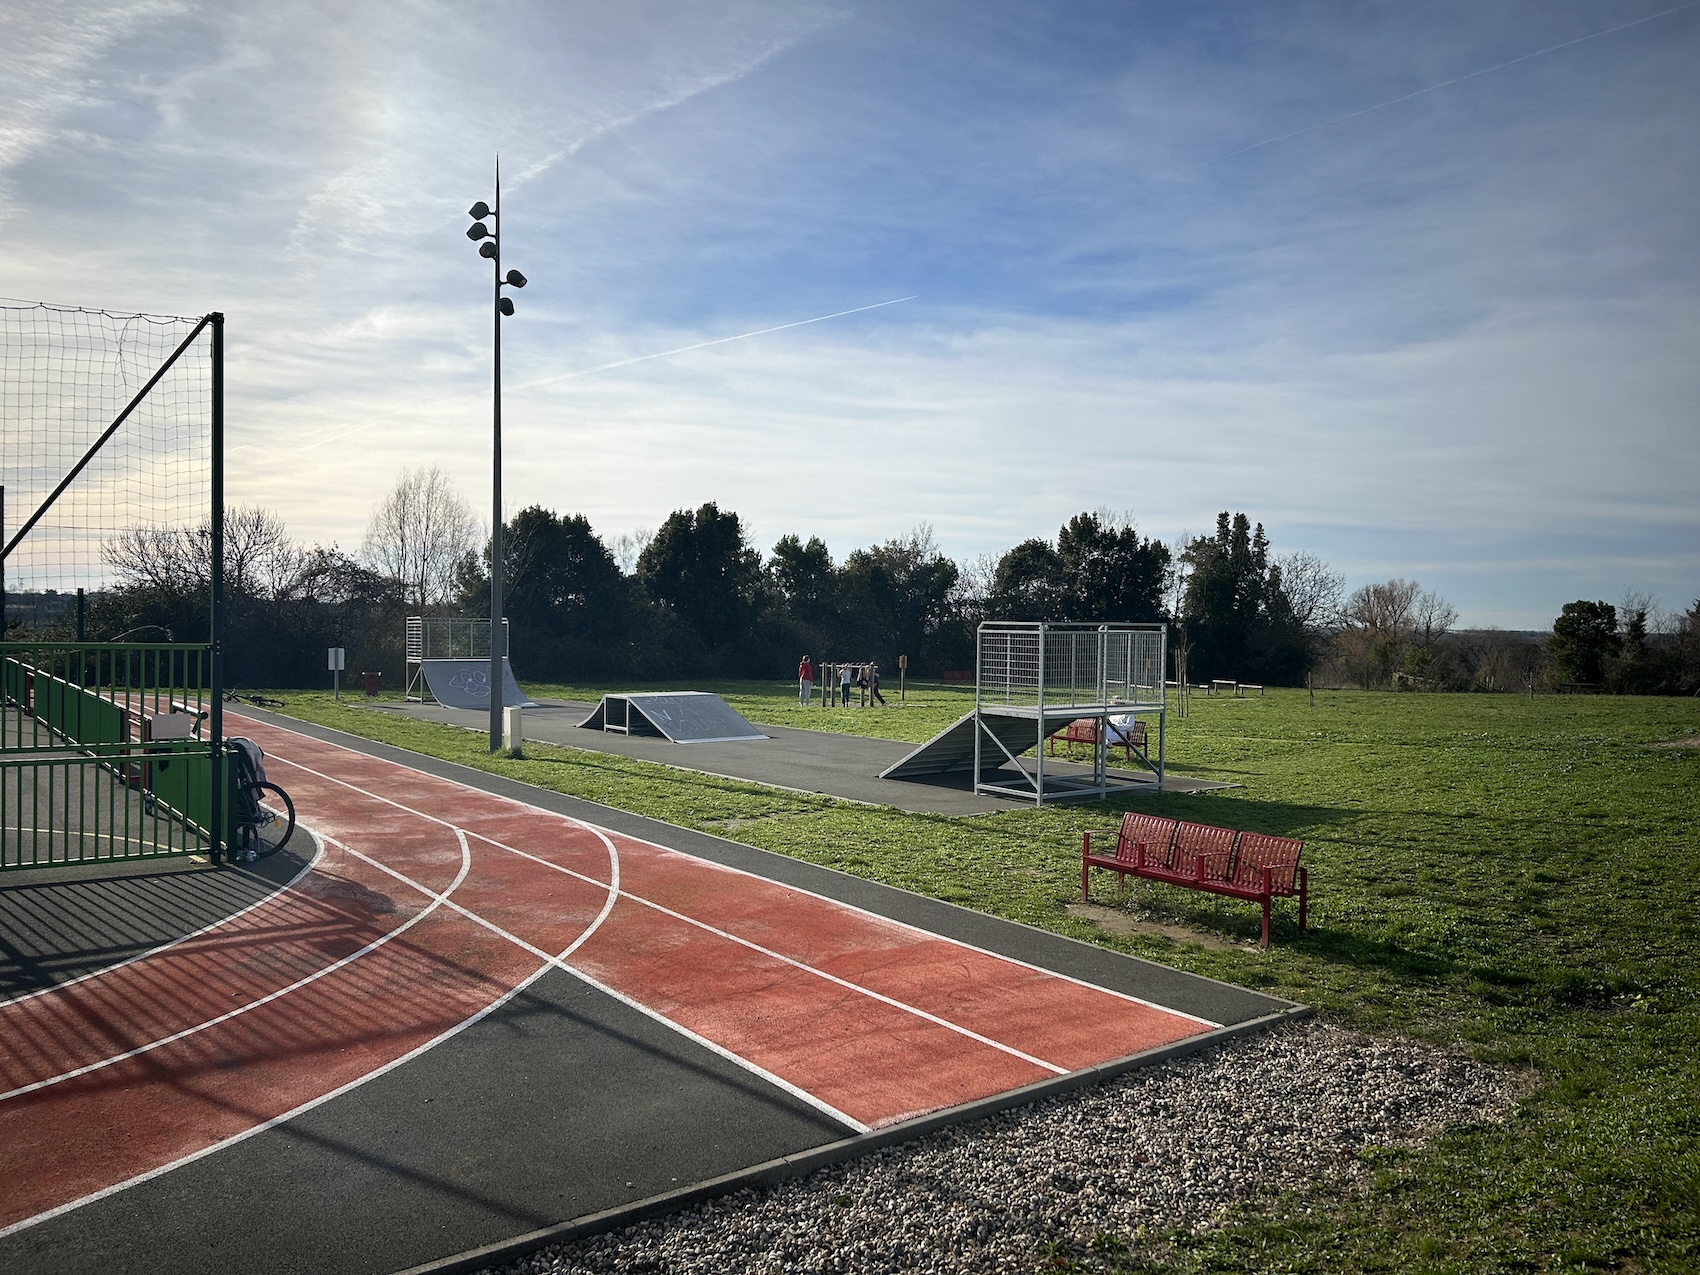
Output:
(805, 681)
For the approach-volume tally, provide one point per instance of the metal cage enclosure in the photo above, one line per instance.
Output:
(1053, 674)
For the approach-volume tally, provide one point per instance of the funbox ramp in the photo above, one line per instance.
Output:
(684, 717)
(952, 749)
(466, 684)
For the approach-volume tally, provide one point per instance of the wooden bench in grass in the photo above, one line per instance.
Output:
(1241, 865)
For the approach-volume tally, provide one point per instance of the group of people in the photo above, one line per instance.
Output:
(858, 676)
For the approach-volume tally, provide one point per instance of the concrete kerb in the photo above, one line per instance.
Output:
(803, 1163)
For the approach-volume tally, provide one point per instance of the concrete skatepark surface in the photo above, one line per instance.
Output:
(802, 760)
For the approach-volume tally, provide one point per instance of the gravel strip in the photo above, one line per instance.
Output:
(1171, 1146)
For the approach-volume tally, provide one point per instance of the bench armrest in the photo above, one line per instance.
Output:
(1097, 834)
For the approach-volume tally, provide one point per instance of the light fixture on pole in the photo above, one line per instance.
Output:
(491, 247)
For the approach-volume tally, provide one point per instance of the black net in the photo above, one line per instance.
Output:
(137, 514)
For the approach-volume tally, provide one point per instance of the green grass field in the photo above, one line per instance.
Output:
(1520, 877)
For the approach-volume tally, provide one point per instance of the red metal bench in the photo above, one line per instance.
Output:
(1084, 730)
(1242, 865)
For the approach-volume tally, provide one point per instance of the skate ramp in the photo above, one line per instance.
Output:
(952, 749)
(466, 684)
(684, 717)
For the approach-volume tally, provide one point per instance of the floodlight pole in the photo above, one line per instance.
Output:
(500, 306)
(497, 682)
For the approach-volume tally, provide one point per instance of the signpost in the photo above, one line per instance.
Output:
(902, 673)
(336, 658)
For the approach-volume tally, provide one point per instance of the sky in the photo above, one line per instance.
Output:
(1415, 286)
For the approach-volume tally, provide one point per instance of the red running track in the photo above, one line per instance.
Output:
(431, 904)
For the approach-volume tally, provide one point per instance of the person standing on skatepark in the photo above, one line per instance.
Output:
(805, 681)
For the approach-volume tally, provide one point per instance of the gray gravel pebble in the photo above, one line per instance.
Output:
(1173, 1145)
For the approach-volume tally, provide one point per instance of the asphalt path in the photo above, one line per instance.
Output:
(814, 761)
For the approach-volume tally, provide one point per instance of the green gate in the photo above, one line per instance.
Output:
(107, 753)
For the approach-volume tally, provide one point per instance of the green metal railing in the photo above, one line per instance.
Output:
(107, 752)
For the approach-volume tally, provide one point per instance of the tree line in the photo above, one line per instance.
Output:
(697, 599)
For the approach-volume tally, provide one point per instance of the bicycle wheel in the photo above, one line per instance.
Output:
(275, 801)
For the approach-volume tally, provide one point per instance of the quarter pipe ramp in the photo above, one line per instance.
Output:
(466, 684)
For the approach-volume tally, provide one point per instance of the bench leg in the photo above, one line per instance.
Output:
(1304, 889)
(1085, 849)
(1265, 921)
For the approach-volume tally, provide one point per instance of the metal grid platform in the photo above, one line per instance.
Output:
(1051, 675)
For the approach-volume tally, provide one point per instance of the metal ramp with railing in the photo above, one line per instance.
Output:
(1032, 680)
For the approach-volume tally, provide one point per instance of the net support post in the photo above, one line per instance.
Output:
(215, 616)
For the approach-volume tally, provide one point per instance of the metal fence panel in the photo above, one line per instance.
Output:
(105, 752)
(1043, 666)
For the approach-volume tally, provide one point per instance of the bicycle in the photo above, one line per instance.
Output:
(260, 805)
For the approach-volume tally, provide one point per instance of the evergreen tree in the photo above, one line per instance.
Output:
(806, 579)
(1238, 617)
(1028, 584)
(568, 607)
(900, 594)
(1583, 636)
(1109, 573)
(701, 567)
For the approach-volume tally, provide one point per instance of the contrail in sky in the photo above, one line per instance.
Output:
(1394, 101)
(642, 358)
(703, 345)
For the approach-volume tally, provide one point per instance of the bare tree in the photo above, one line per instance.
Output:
(1654, 618)
(1432, 618)
(976, 582)
(1383, 610)
(1316, 593)
(260, 560)
(628, 548)
(1391, 630)
(418, 535)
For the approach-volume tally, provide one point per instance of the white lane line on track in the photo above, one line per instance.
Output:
(436, 902)
(703, 925)
(811, 969)
(945, 938)
(560, 962)
(310, 1104)
(756, 876)
(778, 1082)
(155, 951)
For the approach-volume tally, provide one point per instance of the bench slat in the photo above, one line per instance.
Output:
(1194, 841)
(1155, 832)
(1259, 850)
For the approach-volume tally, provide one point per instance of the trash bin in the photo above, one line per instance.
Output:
(374, 683)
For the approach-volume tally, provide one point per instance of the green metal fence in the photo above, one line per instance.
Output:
(107, 753)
